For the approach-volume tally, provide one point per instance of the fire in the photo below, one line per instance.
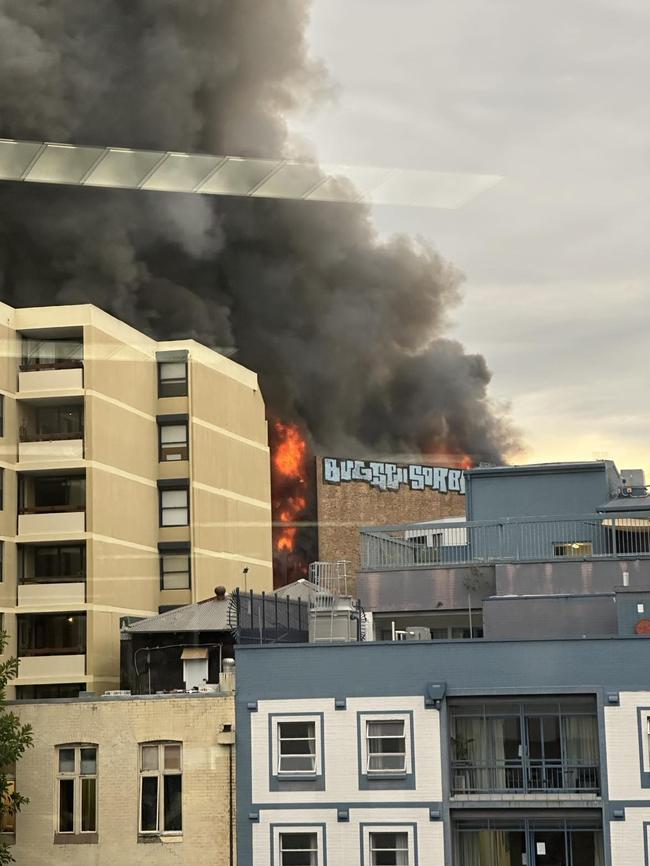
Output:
(466, 462)
(289, 483)
(289, 458)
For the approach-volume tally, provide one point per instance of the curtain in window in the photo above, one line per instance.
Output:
(474, 848)
(581, 750)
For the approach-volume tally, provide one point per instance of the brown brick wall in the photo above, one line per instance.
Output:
(343, 508)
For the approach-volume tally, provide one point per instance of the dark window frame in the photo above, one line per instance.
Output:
(179, 551)
(178, 387)
(27, 365)
(59, 548)
(2, 415)
(26, 626)
(183, 449)
(47, 509)
(167, 488)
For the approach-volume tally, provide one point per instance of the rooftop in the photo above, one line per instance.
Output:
(208, 615)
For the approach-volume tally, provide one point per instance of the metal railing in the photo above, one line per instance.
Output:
(591, 536)
(524, 777)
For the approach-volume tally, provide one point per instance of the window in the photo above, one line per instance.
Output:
(172, 442)
(174, 507)
(49, 493)
(386, 746)
(2, 485)
(44, 634)
(172, 379)
(51, 354)
(161, 785)
(2, 561)
(298, 849)
(2, 415)
(53, 563)
(297, 748)
(77, 789)
(175, 570)
(389, 849)
(574, 548)
(55, 422)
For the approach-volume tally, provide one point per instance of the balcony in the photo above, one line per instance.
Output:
(51, 431)
(454, 543)
(538, 747)
(51, 645)
(51, 364)
(52, 574)
(51, 504)
(525, 777)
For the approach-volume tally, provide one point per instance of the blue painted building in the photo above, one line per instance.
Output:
(557, 529)
(450, 753)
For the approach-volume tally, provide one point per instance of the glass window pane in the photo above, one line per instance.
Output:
(149, 757)
(173, 786)
(172, 370)
(292, 730)
(385, 729)
(297, 764)
(88, 762)
(149, 803)
(174, 498)
(175, 563)
(174, 433)
(66, 761)
(172, 757)
(66, 805)
(174, 517)
(88, 805)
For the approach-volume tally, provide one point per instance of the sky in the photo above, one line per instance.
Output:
(553, 97)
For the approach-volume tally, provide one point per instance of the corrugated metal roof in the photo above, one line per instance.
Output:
(209, 615)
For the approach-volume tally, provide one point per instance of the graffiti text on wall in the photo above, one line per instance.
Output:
(392, 476)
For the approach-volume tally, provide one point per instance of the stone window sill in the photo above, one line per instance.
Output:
(76, 838)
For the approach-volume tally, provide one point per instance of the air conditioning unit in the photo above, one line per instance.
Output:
(633, 480)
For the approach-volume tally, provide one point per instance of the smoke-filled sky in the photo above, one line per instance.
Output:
(553, 97)
(348, 332)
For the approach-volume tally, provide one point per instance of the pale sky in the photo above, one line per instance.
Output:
(553, 96)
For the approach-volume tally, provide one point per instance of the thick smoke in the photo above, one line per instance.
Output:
(345, 330)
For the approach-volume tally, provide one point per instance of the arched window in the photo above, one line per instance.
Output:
(76, 807)
(161, 787)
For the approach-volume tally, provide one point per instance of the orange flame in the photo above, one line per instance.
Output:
(289, 462)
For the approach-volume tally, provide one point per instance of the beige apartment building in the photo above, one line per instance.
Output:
(135, 476)
(132, 780)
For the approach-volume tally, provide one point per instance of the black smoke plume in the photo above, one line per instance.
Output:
(345, 330)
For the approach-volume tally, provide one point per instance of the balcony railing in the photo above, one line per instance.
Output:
(592, 536)
(31, 366)
(26, 436)
(525, 777)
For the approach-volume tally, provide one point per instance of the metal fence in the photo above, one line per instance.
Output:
(592, 536)
(262, 618)
(525, 777)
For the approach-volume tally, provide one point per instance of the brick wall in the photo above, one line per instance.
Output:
(117, 726)
(343, 508)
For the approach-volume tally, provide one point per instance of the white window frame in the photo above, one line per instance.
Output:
(408, 744)
(288, 829)
(159, 774)
(77, 777)
(406, 829)
(275, 746)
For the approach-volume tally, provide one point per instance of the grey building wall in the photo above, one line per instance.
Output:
(565, 576)
(425, 588)
(553, 489)
(632, 608)
(556, 616)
